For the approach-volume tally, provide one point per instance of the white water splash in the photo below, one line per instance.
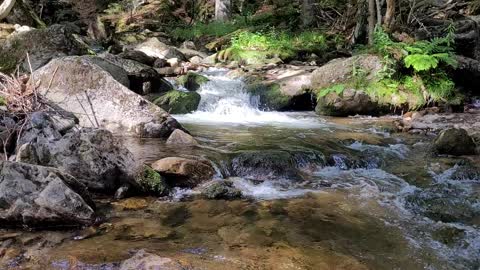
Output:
(225, 100)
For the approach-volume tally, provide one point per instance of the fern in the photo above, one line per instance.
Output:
(421, 62)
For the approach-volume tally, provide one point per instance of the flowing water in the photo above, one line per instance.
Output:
(350, 195)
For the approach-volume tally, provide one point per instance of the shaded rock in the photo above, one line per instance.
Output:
(160, 63)
(265, 165)
(173, 52)
(7, 132)
(192, 81)
(147, 261)
(83, 86)
(138, 56)
(182, 138)
(42, 46)
(184, 172)
(349, 102)
(178, 102)
(143, 79)
(189, 53)
(40, 196)
(221, 190)
(454, 142)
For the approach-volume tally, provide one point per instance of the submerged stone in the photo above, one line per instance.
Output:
(143, 260)
(454, 142)
(221, 190)
(184, 172)
(180, 137)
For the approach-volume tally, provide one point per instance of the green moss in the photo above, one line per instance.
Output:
(152, 182)
(270, 96)
(3, 102)
(178, 102)
(192, 81)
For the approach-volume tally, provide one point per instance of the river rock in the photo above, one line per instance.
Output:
(192, 81)
(84, 86)
(143, 260)
(143, 79)
(265, 165)
(138, 56)
(221, 190)
(42, 45)
(152, 47)
(178, 102)
(454, 142)
(180, 137)
(350, 101)
(184, 172)
(40, 196)
(94, 156)
(189, 53)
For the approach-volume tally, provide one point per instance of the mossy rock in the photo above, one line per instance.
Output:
(270, 96)
(178, 102)
(192, 81)
(151, 182)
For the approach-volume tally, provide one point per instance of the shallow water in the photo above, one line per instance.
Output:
(364, 198)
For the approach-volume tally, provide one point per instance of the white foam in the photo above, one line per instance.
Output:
(225, 100)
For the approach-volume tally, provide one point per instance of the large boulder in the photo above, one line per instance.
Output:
(94, 156)
(454, 142)
(40, 196)
(184, 172)
(336, 75)
(178, 102)
(42, 45)
(84, 86)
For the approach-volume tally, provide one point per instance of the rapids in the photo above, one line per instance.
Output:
(357, 196)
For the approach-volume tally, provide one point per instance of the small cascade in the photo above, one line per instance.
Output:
(226, 100)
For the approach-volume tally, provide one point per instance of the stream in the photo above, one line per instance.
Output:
(321, 193)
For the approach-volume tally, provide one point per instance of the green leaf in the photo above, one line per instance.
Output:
(421, 62)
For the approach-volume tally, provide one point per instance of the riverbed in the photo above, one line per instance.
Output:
(361, 197)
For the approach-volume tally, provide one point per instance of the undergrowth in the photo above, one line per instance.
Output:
(414, 74)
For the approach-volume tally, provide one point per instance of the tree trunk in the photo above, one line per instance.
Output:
(222, 10)
(371, 20)
(308, 12)
(389, 14)
(5, 8)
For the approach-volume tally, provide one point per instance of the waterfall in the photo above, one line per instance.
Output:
(226, 100)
